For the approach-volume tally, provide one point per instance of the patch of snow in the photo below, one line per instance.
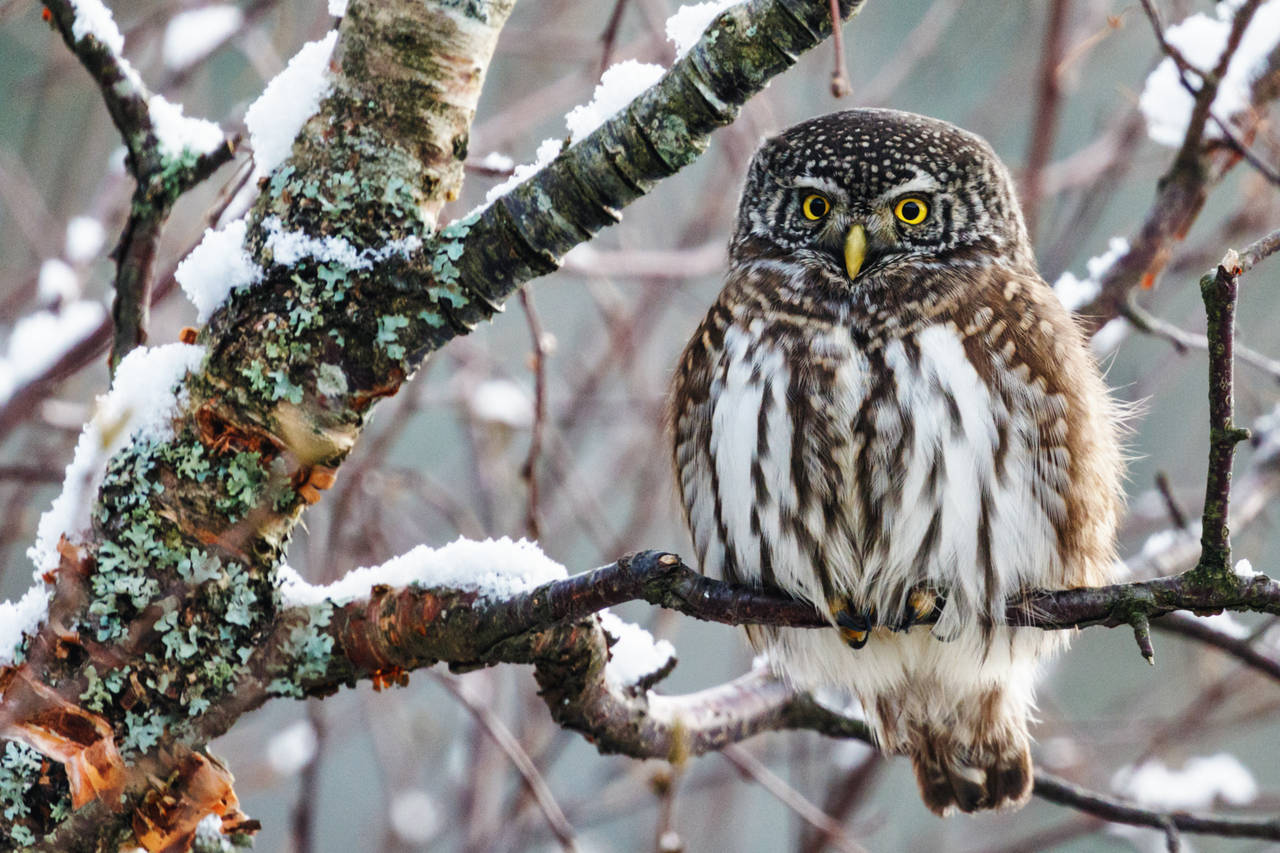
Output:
(1074, 292)
(337, 8)
(636, 654)
(415, 816)
(497, 568)
(289, 247)
(618, 86)
(93, 18)
(687, 25)
(192, 35)
(1108, 338)
(177, 133)
(39, 339)
(140, 406)
(1227, 624)
(209, 836)
(498, 161)
(1163, 540)
(217, 266)
(841, 701)
(1059, 752)
(85, 236)
(547, 151)
(1200, 783)
(57, 282)
(501, 401)
(847, 754)
(1245, 569)
(1201, 38)
(21, 617)
(292, 748)
(292, 97)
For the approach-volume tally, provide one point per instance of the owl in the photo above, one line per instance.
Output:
(887, 413)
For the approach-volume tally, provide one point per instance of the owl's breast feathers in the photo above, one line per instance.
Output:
(961, 437)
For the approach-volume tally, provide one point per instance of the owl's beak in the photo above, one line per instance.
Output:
(855, 250)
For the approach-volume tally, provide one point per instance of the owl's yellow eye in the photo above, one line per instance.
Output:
(911, 210)
(815, 207)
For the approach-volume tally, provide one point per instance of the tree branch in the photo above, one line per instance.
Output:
(1183, 188)
(161, 177)
(1219, 292)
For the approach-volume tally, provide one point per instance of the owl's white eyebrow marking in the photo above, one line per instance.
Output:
(922, 182)
(829, 187)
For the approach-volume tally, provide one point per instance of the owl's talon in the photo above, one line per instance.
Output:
(922, 602)
(854, 630)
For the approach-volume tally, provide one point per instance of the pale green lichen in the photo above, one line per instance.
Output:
(20, 768)
(102, 690)
(141, 732)
(331, 381)
(309, 652)
(388, 334)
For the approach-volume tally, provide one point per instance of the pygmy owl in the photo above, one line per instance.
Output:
(888, 411)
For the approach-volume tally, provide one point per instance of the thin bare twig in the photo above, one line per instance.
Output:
(1055, 790)
(1259, 250)
(506, 741)
(1184, 341)
(1240, 648)
(303, 817)
(610, 35)
(529, 471)
(1048, 109)
(843, 797)
(840, 85)
(752, 768)
(1171, 505)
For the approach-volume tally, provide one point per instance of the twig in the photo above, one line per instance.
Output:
(506, 741)
(1142, 633)
(1186, 69)
(1259, 250)
(840, 85)
(610, 35)
(842, 797)
(665, 783)
(1183, 190)
(30, 474)
(1171, 505)
(752, 768)
(1241, 649)
(1055, 790)
(1219, 292)
(529, 471)
(160, 178)
(907, 55)
(1048, 110)
(303, 817)
(1189, 153)
(1183, 341)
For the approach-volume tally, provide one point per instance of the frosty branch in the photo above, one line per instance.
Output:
(167, 154)
(1199, 165)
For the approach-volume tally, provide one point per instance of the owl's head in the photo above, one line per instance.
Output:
(864, 190)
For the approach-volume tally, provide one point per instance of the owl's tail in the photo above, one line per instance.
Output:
(993, 774)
